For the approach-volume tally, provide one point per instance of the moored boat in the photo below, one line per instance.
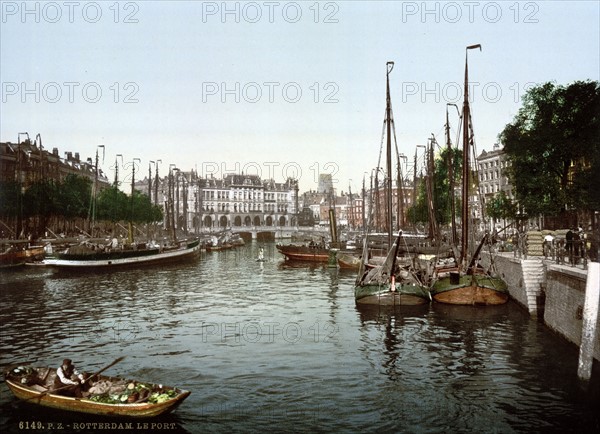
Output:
(15, 255)
(85, 256)
(389, 283)
(108, 396)
(468, 284)
(304, 253)
(470, 289)
(348, 261)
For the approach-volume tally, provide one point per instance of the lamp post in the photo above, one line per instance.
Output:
(92, 211)
(150, 163)
(116, 184)
(132, 215)
(185, 186)
(170, 204)
(20, 186)
(156, 181)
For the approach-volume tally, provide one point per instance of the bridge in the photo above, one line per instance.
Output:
(265, 233)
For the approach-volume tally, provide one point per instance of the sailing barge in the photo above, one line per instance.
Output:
(91, 257)
(389, 283)
(468, 283)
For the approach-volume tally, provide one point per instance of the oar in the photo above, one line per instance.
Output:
(105, 368)
(71, 385)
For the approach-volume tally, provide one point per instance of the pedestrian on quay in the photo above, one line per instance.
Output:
(548, 243)
(569, 243)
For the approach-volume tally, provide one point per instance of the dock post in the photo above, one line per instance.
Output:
(332, 259)
(590, 322)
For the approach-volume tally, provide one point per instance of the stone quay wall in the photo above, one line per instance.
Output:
(553, 292)
(565, 296)
(526, 279)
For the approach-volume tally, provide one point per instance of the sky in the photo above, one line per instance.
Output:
(276, 88)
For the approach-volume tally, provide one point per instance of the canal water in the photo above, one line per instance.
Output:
(282, 347)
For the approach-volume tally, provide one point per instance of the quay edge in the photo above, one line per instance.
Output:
(551, 292)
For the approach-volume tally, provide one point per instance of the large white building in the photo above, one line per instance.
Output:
(204, 204)
(492, 169)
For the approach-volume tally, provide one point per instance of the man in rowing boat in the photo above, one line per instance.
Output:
(68, 380)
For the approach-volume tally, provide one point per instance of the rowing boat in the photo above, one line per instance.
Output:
(108, 396)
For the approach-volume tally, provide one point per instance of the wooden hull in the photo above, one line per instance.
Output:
(304, 253)
(407, 295)
(218, 248)
(38, 396)
(348, 261)
(470, 290)
(20, 257)
(116, 259)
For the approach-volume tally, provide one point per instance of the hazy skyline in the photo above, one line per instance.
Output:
(276, 88)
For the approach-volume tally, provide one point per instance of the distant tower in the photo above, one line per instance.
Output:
(325, 183)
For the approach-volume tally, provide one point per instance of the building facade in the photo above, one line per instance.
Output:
(27, 162)
(234, 201)
(492, 169)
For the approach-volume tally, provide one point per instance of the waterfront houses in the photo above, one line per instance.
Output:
(27, 162)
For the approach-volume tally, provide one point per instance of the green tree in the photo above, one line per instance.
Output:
(553, 145)
(501, 207)
(143, 210)
(73, 198)
(9, 198)
(113, 205)
(40, 202)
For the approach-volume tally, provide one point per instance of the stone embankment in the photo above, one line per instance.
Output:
(554, 293)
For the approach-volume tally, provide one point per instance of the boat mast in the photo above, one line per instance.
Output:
(388, 111)
(430, 187)
(466, 169)
(451, 176)
(364, 221)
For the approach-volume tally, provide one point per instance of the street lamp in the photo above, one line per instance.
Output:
(132, 215)
(150, 163)
(156, 181)
(20, 186)
(117, 168)
(92, 213)
(171, 204)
